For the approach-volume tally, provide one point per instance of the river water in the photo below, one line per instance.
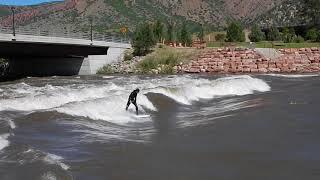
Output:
(200, 127)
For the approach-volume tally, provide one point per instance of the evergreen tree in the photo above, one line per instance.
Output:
(185, 37)
(235, 33)
(143, 39)
(158, 30)
(256, 34)
(273, 34)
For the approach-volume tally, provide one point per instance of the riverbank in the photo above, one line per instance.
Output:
(220, 60)
(302, 60)
(163, 60)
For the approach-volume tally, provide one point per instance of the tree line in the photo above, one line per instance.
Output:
(148, 34)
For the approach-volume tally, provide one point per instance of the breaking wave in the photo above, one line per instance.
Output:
(107, 101)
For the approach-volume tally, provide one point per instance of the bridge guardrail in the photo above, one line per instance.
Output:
(107, 37)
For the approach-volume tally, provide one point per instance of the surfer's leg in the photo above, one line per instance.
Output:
(128, 104)
(135, 104)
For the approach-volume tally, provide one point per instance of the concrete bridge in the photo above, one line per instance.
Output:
(34, 52)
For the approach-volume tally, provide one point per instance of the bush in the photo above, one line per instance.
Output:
(318, 38)
(235, 33)
(289, 35)
(256, 34)
(273, 34)
(312, 34)
(299, 39)
(107, 69)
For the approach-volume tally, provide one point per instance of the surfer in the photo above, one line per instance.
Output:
(133, 99)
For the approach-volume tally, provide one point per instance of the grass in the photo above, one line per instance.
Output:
(265, 44)
(164, 59)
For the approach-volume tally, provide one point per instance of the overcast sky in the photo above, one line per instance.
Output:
(23, 2)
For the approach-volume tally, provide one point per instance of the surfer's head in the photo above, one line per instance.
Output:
(137, 90)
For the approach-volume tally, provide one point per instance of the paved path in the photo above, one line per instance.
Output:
(268, 52)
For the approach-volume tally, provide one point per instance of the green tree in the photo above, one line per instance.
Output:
(288, 35)
(312, 34)
(158, 30)
(273, 34)
(201, 34)
(235, 33)
(318, 38)
(185, 36)
(256, 34)
(143, 39)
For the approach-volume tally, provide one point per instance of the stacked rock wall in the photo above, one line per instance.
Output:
(249, 61)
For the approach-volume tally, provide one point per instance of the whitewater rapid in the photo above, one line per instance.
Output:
(107, 100)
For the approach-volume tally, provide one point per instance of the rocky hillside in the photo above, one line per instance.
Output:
(112, 14)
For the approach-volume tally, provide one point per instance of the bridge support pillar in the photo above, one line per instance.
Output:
(93, 63)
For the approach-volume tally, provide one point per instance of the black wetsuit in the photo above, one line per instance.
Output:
(133, 99)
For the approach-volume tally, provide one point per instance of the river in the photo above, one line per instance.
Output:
(196, 127)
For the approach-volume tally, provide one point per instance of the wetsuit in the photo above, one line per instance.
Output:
(133, 99)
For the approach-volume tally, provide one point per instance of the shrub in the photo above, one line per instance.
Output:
(256, 34)
(107, 69)
(299, 39)
(318, 38)
(312, 34)
(289, 35)
(273, 34)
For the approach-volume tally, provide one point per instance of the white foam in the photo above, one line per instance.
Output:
(4, 141)
(107, 77)
(12, 124)
(54, 159)
(52, 96)
(48, 176)
(111, 109)
(187, 91)
(293, 75)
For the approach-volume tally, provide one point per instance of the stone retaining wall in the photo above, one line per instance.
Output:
(301, 60)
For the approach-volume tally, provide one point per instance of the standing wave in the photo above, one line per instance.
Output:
(198, 89)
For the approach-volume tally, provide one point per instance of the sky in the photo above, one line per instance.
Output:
(23, 2)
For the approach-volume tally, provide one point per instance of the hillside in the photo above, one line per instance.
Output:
(112, 14)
